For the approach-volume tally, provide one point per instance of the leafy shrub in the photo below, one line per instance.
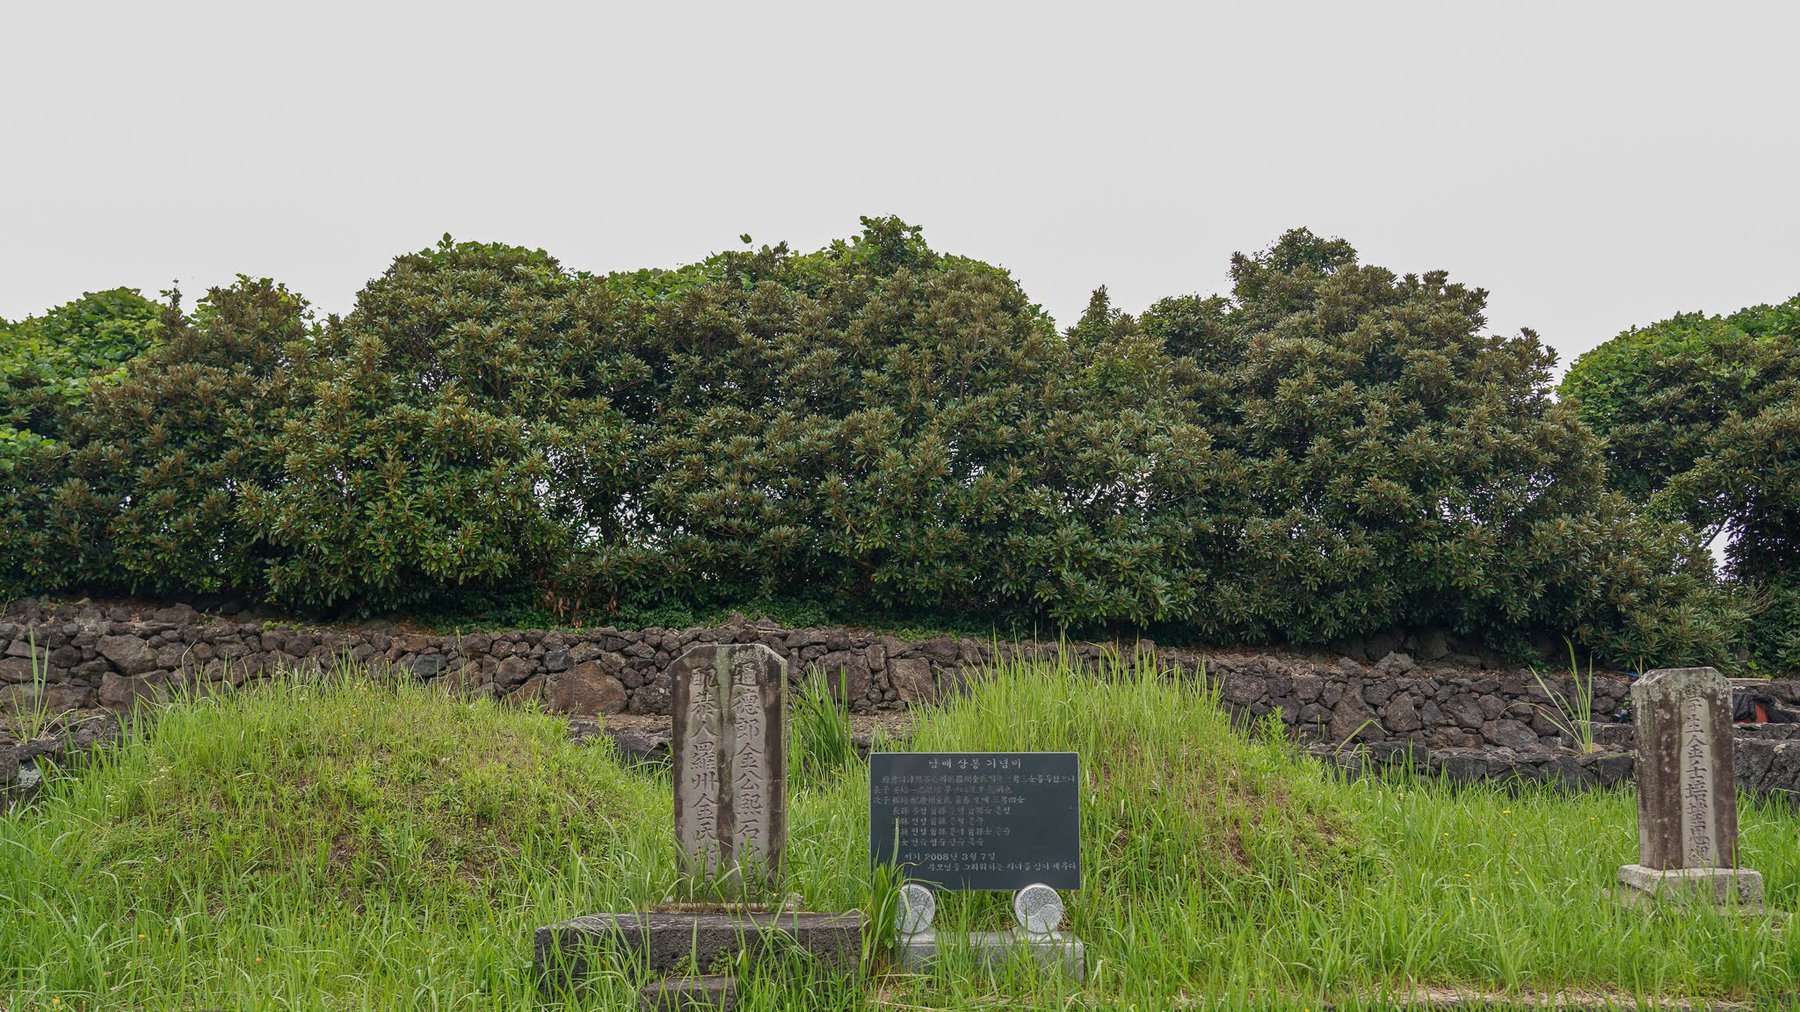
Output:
(1774, 633)
(143, 496)
(1659, 393)
(161, 461)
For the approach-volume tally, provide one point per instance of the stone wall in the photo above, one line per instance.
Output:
(99, 656)
(1765, 762)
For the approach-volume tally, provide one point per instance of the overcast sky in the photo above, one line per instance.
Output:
(1592, 165)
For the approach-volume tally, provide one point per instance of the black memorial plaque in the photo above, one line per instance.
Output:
(977, 820)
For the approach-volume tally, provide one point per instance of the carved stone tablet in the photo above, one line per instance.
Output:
(1687, 797)
(730, 758)
(977, 820)
(1038, 909)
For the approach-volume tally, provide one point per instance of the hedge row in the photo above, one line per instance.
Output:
(1327, 450)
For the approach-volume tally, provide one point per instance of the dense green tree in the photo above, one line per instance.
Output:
(1409, 469)
(1702, 420)
(1659, 394)
(143, 497)
(882, 426)
(48, 362)
(454, 432)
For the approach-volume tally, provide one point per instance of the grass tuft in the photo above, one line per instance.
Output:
(819, 738)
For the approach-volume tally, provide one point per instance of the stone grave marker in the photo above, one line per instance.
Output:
(730, 770)
(976, 821)
(730, 754)
(1687, 793)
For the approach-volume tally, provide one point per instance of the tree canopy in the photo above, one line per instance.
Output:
(48, 362)
(1701, 415)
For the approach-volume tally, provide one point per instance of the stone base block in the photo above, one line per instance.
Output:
(1739, 887)
(665, 942)
(713, 993)
(1055, 952)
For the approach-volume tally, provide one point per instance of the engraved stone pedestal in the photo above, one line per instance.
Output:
(1054, 952)
(1687, 796)
(1721, 886)
(566, 953)
(1039, 911)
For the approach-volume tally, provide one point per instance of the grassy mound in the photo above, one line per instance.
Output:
(302, 840)
(1187, 822)
(343, 788)
(1172, 791)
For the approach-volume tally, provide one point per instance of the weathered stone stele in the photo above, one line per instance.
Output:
(1687, 801)
(1687, 795)
(730, 755)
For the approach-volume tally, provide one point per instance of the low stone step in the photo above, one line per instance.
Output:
(716, 991)
(671, 942)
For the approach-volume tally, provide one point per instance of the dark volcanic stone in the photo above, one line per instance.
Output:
(16, 669)
(1432, 645)
(1467, 766)
(1400, 715)
(1395, 665)
(1380, 645)
(130, 655)
(653, 694)
(640, 743)
(1464, 710)
(911, 678)
(1378, 692)
(586, 689)
(515, 670)
(1351, 718)
(1510, 734)
(1609, 768)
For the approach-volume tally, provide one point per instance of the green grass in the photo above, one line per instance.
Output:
(362, 846)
